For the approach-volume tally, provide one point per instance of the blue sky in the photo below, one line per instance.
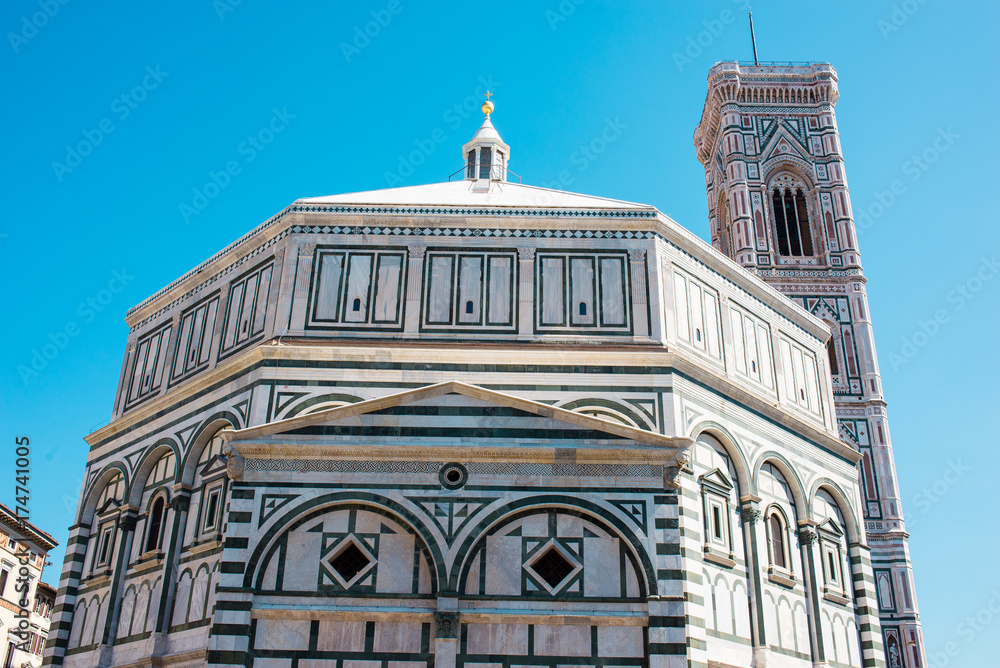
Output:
(164, 95)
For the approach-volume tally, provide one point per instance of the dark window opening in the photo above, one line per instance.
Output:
(583, 308)
(453, 476)
(753, 366)
(470, 165)
(485, 162)
(802, 393)
(357, 305)
(834, 369)
(791, 222)
(552, 567)
(155, 521)
(3, 580)
(103, 548)
(350, 562)
(469, 306)
(210, 511)
(833, 567)
(697, 334)
(717, 522)
(777, 541)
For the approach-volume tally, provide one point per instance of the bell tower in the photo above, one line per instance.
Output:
(779, 206)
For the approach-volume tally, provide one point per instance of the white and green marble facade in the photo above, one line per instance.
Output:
(527, 373)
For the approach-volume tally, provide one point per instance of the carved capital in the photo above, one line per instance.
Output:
(417, 252)
(526, 254)
(127, 522)
(306, 249)
(807, 536)
(636, 254)
(180, 502)
(447, 625)
(749, 514)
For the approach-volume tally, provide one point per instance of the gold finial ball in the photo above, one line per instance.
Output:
(488, 107)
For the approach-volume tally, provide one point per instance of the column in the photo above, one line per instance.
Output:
(749, 515)
(179, 504)
(807, 538)
(126, 523)
(526, 293)
(414, 282)
(640, 297)
(446, 629)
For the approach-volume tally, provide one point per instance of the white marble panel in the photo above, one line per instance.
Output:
(387, 288)
(282, 634)
(397, 637)
(302, 561)
(612, 292)
(395, 564)
(439, 289)
(620, 641)
(553, 291)
(359, 276)
(582, 282)
(601, 567)
(499, 279)
(328, 287)
(498, 639)
(341, 637)
(503, 565)
(567, 640)
(470, 288)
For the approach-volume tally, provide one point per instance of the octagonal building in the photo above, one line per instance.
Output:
(473, 423)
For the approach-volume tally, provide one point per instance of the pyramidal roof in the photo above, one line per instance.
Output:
(465, 193)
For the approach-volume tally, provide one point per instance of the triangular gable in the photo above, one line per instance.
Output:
(716, 478)
(341, 415)
(830, 527)
(778, 143)
(217, 464)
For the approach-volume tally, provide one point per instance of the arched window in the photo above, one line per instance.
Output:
(583, 308)
(357, 304)
(776, 535)
(154, 525)
(791, 222)
(470, 165)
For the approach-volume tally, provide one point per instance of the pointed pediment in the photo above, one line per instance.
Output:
(214, 466)
(784, 143)
(109, 505)
(716, 478)
(831, 528)
(455, 411)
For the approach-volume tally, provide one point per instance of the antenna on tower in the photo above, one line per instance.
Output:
(753, 40)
